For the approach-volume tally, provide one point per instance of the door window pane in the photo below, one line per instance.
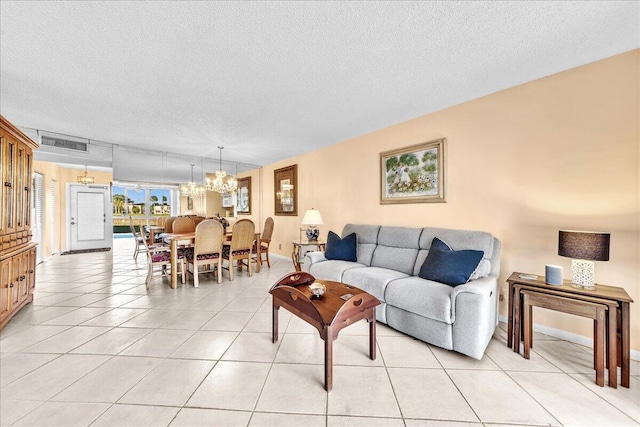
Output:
(160, 202)
(136, 203)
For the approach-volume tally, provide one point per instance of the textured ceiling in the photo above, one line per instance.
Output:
(270, 80)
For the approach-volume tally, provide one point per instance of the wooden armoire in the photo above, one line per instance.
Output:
(17, 251)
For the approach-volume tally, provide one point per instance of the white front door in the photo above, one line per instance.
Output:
(90, 221)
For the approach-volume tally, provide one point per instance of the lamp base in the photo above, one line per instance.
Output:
(582, 274)
(312, 233)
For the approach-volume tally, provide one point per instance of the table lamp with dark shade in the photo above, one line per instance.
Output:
(584, 247)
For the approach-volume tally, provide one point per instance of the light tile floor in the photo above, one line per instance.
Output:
(96, 348)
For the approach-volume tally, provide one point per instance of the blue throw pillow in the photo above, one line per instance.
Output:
(341, 249)
(445, 265)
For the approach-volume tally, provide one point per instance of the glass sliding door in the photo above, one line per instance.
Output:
(144, 204)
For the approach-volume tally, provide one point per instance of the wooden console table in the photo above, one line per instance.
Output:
(617, 321)
(340, 306)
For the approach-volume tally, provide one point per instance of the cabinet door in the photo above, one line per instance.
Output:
(5, 291)
(26, 188)
(31, 272)
(14, 286)
(23, 282)
(18, 186)
(3, 167)
(8, 185)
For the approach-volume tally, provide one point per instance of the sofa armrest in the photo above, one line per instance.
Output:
(482, 286)
(475, 309)
(311, 258)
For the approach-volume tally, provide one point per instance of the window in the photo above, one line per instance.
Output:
(136, 202)
(144, 204)
(119, 206)
(159, 202)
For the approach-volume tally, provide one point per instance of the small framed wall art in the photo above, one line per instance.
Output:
(244, 195)
(286, 190)
(227, 200)
(413, 174)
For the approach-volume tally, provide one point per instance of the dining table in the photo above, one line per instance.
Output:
(176, 240)
(153, 230)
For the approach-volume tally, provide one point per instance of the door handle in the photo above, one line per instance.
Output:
(73, 223)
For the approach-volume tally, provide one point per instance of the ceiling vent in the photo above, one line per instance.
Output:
(65, 143)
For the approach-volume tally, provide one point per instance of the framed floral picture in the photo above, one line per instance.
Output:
(286, 190)
(413, 174)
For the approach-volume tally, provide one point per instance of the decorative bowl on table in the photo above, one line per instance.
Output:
(317, 289)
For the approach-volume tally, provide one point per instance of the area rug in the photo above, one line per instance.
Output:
(85, 251)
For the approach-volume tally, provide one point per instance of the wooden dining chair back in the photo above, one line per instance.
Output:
(241, 245)
(197, 219)
(160, 221)
(160, 256)
(207, 249)
(265, 239)
(138, 237)
(264, 242)
(168, 224)
(183, 225)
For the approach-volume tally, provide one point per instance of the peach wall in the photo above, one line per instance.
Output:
(557, 153)
(51, 171)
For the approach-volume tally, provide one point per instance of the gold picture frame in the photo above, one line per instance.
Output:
(285, 190)
(413, 174)
(244, 196)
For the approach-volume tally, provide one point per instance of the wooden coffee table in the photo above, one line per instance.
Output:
(329, 314)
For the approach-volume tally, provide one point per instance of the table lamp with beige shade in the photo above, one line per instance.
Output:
(312, 219)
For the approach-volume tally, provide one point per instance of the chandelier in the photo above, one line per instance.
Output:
(85, 179)
(219, 185)
(191, 189)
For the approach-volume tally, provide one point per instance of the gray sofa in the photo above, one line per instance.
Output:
(461, 318)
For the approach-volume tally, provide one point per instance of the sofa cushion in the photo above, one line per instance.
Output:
(458, 240)
(341, 249)
(367, 240)
(423, 297)
(445, 265)
(373, 280)
(397, 248)
(332, 269)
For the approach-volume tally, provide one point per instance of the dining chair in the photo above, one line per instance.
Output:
(183, 225)
(139, 239)
(161, 256)
(160, 221)
(264, 242)
(197, 219)
(206, 250)
(168, 224)
(241, 245)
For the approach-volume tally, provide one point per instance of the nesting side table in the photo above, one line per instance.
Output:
(617, 323)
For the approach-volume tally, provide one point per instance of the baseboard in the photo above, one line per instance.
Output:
(281, 257)
(568, 336)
